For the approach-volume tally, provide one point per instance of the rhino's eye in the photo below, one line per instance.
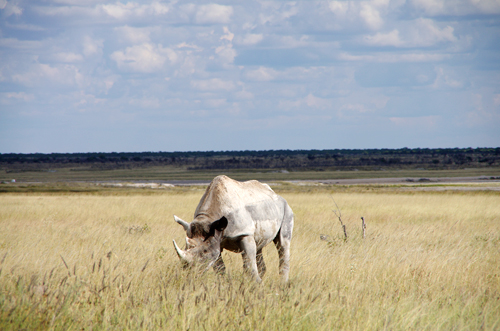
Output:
(205, 251)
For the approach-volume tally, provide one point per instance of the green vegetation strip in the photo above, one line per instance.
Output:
(166, 173)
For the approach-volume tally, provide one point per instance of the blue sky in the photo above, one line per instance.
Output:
(104, 76)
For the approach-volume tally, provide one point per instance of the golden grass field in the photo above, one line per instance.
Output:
(105, 261)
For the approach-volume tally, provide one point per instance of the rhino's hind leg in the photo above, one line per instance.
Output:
(260, 264)
(249, 254)
(282, 242)
(283, 247)
(219, 266)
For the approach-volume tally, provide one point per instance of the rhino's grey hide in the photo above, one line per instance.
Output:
(241, 217)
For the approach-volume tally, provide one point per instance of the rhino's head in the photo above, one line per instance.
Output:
(202, 241)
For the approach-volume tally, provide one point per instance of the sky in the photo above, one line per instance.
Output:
(132, 76)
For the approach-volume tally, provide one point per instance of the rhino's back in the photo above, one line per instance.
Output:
(252, 208)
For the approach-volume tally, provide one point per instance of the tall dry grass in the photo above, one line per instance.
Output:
(430, 261)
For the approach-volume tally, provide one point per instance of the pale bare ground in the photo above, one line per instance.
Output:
(78, 261)
(481, 183)
(361, 181)
(407, 180)
(469, 183)
(486, 180)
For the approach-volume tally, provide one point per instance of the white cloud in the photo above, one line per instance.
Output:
(431, 7)
(146, 102)
(248, 95)
(457, 7)
(394, 57)
(487, 6)
(26, 27)
(312, 101)
(354, 107)
(421, 32)
(350, 14)
(227, 35)
(289, 104)
(380, 102)
(41, 74)
(309, 101)
(226, 52)
(445, 80)
(119, 10)
(339, 7)
(215, 103)
(107, 84)
(427, 33)
(122, 11)
(478, 102)
(68, 57)
(482, 113)
(115, 11)
(10, 8)
(496, 99)
(20, 44)
(371, 16)
(134, 35)
(83, 99)
(76, 2)
(275, 13)
(18, 96)
(291, 11)
(384, 39)
(213, 14)
(294, 41)
(214, 84)
(91, 46)
(249, 39)
(262, 74)
(413, 57)
(185, 45)
(159, 8)
(145, 58)
(420, 122)
(78, 12)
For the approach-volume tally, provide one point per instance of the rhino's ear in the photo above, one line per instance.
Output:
(219, 226)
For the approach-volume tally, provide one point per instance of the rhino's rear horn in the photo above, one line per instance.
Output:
(184, 224)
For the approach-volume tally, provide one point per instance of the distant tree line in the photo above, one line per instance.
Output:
(340, 159)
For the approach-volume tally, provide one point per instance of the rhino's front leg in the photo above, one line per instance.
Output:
(249, 253)
(260, 264)
(219, 266)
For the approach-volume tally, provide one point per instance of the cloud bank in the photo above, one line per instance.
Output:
(81, 76)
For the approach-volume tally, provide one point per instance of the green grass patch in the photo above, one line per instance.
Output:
(167, 173)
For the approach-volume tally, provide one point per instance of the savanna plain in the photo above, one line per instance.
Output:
(104, 260)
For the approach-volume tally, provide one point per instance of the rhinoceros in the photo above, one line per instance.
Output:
(242, 217)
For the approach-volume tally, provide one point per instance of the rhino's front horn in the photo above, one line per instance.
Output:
(181, 253)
